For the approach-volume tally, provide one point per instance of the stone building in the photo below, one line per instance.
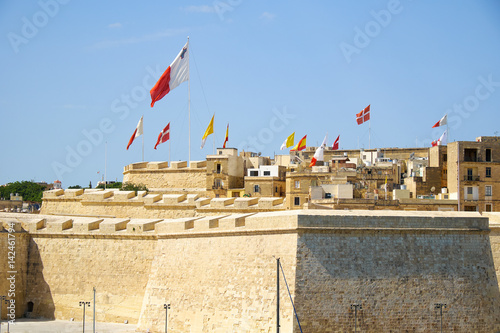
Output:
(472, 170)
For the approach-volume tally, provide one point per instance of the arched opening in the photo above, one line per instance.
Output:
(29, 307)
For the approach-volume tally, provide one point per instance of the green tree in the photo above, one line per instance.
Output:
(29, 190)
(74, 187)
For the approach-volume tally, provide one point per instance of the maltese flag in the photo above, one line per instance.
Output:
(318, 155)
(138, 132)
(164, 135)
(336, 144)
(175, 74)
(443, 121)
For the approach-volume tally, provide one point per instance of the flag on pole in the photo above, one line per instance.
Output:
(336, 144)
(138, 131)
(288, 141)
(319, 154)
(443, 140)
(227, 136)
(164, 135)
(210, 130)
(363, 116)
(176, 73)
(301, 145)
(443, 121)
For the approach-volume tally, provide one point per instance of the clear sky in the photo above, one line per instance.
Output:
(77, 74)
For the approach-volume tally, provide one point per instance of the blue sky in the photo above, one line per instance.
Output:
(77, 74)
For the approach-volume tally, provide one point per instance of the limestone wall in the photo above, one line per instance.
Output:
(158, 175)
(113, 203)
(219, 272)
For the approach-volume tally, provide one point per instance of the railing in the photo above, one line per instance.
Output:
(472, 178)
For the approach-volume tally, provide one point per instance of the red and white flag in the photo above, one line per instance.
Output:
(443, 140)
(138, 131)
(176, 73)
(227, 136)
(363, 115)
(164, 136)
(319, 154)
(336, 144)
(443, 121)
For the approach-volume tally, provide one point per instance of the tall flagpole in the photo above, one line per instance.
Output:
(143, 141)
(370, 133)
(169, 146)
(105, 162)
(189, 111)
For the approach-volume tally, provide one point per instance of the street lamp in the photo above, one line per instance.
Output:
(166, 307)
(440, 307)
(356, 307)
(87, 304)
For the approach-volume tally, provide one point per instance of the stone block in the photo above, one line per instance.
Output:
(173, 225)
(141, 225)
(98, 196)
(245, 202)
(110, 225)
(73, 193)
(221, 202)
(152, 198)
(202, 202)
(173, 199)
(198, 164)
(59, 225)
(123, 195)
(53, 193)
(178, 165)
(234, 221)
(191, 198)
(86, 224)
(157, 165)
(266, 203)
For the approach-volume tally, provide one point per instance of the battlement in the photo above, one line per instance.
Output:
(163, 166)
(115, 203)
(326, 220)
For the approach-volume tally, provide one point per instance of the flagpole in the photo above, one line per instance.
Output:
(370, 134)
(189, 112)
(169, 146)
(105, 162)
(142, 140)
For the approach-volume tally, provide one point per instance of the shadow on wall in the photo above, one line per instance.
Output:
(38, 295)
(398, 278)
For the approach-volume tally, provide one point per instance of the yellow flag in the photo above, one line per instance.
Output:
(288, 142)
(210, 130)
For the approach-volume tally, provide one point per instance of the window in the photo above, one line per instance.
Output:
(470, 155)
(218, 168)
(487, 190)
(296, 201)
(254, 173)
(217, 183)
(297, 184)
(445, 157)
(488, 154)
(256, 188)
(488, 172)
(470, 208)
(489, 208)
(276, 190)
(469, 190)
(469, 174)
(267, 173)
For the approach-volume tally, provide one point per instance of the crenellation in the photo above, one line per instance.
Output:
(111, 225)
(157, 165)
(59, 224)
(142, 225)
(173, 199)
(223, 267)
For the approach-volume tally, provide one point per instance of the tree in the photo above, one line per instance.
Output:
(29, 190)
(74, 187)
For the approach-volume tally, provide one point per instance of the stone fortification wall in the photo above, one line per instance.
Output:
(113, 203)
(219, 272)
(158, 176)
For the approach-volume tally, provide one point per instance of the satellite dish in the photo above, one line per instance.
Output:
(433, 189)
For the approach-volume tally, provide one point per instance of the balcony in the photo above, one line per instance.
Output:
(469, 178)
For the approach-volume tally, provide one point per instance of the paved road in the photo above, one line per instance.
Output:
(63, 326)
